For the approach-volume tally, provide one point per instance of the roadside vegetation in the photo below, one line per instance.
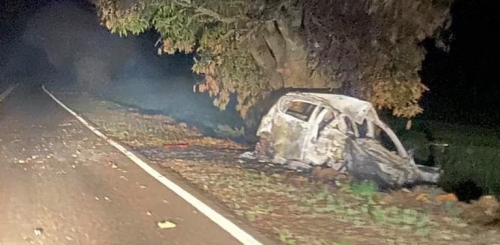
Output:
(371, 49)
(317, 207)
(469, 155)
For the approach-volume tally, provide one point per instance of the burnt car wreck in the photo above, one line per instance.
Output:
(340, 132)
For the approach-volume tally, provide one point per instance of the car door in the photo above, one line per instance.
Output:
(291, 127)
(378, 158)
(327, 141)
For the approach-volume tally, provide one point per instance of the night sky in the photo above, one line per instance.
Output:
(464, 82)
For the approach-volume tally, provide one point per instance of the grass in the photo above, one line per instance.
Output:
(364, 189)
(448, 133)
(366, 205)
(261, 197)
(258, 210)
(286, 237)
(473, 152)
(230, 132)
(140, 130)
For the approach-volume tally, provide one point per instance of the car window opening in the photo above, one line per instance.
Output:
(363, 129)
(384, 139)
(300, 110)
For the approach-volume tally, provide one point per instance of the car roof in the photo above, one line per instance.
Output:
(356, 109)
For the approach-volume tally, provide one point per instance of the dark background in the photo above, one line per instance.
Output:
(463, 82)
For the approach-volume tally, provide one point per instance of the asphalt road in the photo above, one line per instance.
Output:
(61, 184)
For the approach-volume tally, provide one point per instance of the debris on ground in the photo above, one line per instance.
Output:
(178, 145)
(485, 211)
(166, 225)
(450, 197)
(38, 231)
(327, 175)
(280, 202)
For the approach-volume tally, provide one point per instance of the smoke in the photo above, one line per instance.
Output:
(74, 42)
(78, 51)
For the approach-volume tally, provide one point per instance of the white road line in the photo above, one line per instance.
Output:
(7, 91)
(217, 218)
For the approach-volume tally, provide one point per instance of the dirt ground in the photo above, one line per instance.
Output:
(295, 208)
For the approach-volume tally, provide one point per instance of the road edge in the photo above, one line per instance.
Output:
(8, 91)
(235, 231)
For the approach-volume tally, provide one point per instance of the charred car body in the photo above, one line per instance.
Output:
(342, 132)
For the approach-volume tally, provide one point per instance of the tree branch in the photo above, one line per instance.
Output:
(208, 12)
(218, 17)
(184, 3)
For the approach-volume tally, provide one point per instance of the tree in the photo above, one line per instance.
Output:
(370, 48)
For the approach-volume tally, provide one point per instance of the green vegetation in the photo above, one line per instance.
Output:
(363, 189)
(473, 152)
(293, 209)
(253, 47)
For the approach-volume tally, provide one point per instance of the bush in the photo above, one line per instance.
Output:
(472, 154)
(478, 164)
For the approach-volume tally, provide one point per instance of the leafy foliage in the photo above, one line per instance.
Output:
(252, 47)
